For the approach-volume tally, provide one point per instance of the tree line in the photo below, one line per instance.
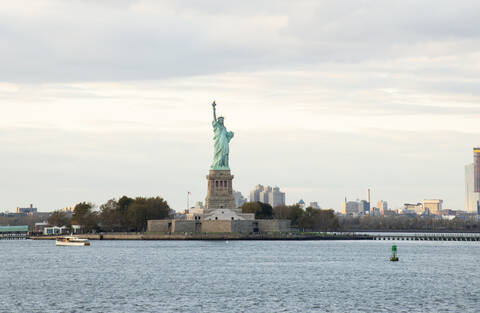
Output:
(310, 219)
(123, 215)
(407, 223)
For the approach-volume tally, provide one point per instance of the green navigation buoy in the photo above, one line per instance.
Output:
(394, 257)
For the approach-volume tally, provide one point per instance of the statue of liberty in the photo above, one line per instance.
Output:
(222, 138)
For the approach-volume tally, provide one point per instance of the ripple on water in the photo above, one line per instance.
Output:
(241, 276)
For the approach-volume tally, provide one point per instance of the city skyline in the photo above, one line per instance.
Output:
(324, 102)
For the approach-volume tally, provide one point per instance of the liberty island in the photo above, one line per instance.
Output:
(220, 214)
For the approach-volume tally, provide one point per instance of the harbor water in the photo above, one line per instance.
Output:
(239, 276)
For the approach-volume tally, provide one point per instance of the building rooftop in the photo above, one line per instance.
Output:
(10, 229)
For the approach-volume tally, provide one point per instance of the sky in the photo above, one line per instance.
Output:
(100, 99)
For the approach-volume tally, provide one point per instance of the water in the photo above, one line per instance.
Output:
(239, 276)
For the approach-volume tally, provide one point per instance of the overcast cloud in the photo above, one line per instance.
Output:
(104, 98)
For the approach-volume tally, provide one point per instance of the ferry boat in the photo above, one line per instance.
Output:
(71, 241)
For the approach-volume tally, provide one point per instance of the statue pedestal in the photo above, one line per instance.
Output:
(220, 192)
(220, 202)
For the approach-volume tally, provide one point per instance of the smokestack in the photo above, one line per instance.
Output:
(368, 195)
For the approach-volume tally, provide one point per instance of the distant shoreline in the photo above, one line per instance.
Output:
(214, 236)
(279, 236)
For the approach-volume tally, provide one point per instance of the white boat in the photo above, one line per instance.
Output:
(71, 241)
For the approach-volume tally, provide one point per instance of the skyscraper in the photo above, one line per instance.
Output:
(469, 187)
(351, 208)
(364, 206)
(239, 199)
(264, 195)
(272, 196)
(276, 197)
(476, 169)
(255, 193)
(383, 206)
(472, 183)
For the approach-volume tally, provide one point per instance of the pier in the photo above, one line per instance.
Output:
(429, 236)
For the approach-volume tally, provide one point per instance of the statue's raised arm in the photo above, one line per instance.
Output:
(214, 111)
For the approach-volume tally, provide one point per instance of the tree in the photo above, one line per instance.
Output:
(110, 217)
(58, 218)
(250, 207)
(319, 220)
(143, 209)
(84, 216)
(294, 213)
(122, 208)
(261, 210)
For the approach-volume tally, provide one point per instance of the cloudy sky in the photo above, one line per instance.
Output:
(326, 98)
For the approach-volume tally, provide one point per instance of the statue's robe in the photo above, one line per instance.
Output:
(222, 138)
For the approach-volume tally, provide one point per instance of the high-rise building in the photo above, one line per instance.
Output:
(382, 206)
(351, 208)
(264, 195)
(276, 197)
(469, 188)
(476, 169)
(272, 196)
(472, 184)
(433, 206)
(255, 193)
(364, 206)
(239, 199)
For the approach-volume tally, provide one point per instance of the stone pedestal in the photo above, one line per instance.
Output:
(220, 202)
(220, 192)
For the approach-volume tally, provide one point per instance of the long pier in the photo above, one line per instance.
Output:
(13, 236)
(429, 236)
